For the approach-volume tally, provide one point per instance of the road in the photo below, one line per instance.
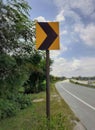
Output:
(81, 100)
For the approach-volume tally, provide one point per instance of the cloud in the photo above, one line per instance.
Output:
(60, 17)
(55, 54)
(74, 67)
(65, 10)
(85, 6)
(40, 19)
(63, 32)
(76, 10)
(75, 64)
(59, 3)
(87, 34)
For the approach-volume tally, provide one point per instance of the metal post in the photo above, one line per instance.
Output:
(47, 86)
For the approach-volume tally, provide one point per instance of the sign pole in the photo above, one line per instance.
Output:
(47, 86)
(47, 38)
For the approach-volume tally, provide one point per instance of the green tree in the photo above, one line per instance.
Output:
(16, 30)
(37, 73)
(19, 61)
(16, 46)
(16, 43)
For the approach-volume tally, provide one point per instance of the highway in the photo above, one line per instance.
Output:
(81, 100)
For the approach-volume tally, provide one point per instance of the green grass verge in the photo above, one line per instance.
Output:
(34, 117)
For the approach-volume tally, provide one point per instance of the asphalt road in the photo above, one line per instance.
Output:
(81, 100)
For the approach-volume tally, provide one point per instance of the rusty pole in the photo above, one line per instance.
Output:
(47, 86)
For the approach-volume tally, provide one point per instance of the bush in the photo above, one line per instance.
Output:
(9, 107)
(23, 100)
(42, 86)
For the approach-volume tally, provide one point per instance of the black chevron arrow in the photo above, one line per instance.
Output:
(51, 36)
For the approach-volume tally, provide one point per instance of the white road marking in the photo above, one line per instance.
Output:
(79, 99)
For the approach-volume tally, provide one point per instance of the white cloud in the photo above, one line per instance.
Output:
(75, 64)
(85, 6)
(75, 67)
(40, 19)
(59, 3)
(87, 34)
(63, 32)
(73, 15)
(76, 9)
(54, 54)
(66, 11)
(60, 17)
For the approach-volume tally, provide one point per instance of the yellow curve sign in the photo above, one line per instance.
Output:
(47, 36)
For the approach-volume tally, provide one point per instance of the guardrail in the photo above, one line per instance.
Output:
(88, 83)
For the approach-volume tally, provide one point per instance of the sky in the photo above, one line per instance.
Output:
(76, 18)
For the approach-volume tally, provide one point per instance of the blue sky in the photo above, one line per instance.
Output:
(76, 56)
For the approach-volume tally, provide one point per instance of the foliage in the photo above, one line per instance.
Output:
(55, 79)
(62, 118)
(10, 106)
(16, 43)
(12, 75)
(23, 100)
(35, 82)
(41, 123)
(20, 64)
(7, 108)
(16, 30)
(19, 61)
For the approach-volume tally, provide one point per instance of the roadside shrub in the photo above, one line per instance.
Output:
(10, 106)
(23, 100)
(7, 108)
(42, 86)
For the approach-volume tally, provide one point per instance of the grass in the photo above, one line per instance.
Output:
(34, 117)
